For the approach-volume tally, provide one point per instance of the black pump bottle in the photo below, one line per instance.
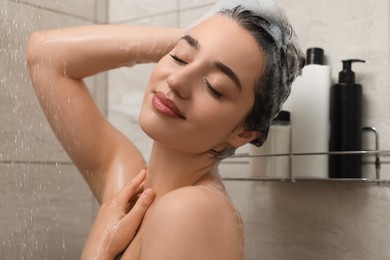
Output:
(346, 124)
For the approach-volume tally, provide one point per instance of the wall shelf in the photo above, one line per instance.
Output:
(375, 153)
(371, 152)
(308, 180)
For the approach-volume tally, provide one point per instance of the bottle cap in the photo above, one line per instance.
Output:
(283, 116)
(347, 75)
(315, 56)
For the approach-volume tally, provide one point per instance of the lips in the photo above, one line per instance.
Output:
(166, 106)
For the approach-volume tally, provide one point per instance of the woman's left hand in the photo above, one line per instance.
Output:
(118, 220)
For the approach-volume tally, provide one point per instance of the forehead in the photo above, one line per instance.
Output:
(223, 39)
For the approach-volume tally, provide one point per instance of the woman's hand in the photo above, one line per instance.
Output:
(118, 220)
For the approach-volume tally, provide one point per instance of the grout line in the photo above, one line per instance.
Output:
(15, 162)
(107, 6)
(143, 17)
(106, 93)
(195, 7)
(95, 18)
(96, 12)
(44, 8)
(178, 11)
(107, 18)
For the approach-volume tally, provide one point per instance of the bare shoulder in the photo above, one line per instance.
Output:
(193, 223)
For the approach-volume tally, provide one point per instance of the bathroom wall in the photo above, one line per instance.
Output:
(303, 220)
(46, 208)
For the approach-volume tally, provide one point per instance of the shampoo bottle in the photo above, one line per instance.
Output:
(309, 107)
(346, 125)
(278, 143)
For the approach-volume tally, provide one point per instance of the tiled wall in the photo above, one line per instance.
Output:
(292, 220)
(46, 209)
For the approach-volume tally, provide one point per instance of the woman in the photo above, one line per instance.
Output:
(214, 88)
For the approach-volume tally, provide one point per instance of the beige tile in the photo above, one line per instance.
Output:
(121, 11)
(101, 11)
(24, 131)
(46, 212)
(234, 168)
(313, 220)
(84, 9)
(186, 4)
(126, 80)
(97, 85)
(125, 123)
(27, 18)
(189, 16)
(163, 20)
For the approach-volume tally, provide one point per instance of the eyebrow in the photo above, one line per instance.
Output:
(191, 41)
(222, 67)
(229, 72)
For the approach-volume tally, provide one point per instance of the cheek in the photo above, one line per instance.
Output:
(158, 76)
(217, 120)
(161, 70)
(227, 113)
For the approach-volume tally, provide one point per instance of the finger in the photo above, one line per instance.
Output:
(132, 202)
(133, 219)
(140, 188)
(142, 204)
(129, 224)
(135, 197)
(131, 188)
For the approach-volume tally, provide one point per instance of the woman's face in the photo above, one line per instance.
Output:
(200, 93)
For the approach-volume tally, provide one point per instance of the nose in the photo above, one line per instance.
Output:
(181, 82)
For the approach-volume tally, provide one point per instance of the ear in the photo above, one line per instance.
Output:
(242, 136)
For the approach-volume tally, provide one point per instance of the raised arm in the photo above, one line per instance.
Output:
(58, 62)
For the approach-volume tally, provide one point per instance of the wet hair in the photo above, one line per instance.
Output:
(284, 62)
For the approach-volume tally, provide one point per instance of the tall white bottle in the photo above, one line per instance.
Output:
(309, 107)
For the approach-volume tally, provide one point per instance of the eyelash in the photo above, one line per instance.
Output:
(212, 90)
(177, 59)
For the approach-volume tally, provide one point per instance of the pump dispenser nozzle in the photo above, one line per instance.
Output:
(347, 75)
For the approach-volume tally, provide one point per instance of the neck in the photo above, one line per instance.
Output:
(170, 169)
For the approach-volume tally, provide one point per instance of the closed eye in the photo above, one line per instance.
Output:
(212, 90)
(177, 59)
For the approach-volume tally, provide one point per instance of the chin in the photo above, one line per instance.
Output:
(147, 122)
(155, 126)
(164, 134)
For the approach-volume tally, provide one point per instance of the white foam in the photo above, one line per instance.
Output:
(271, 10)
(264, 8)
